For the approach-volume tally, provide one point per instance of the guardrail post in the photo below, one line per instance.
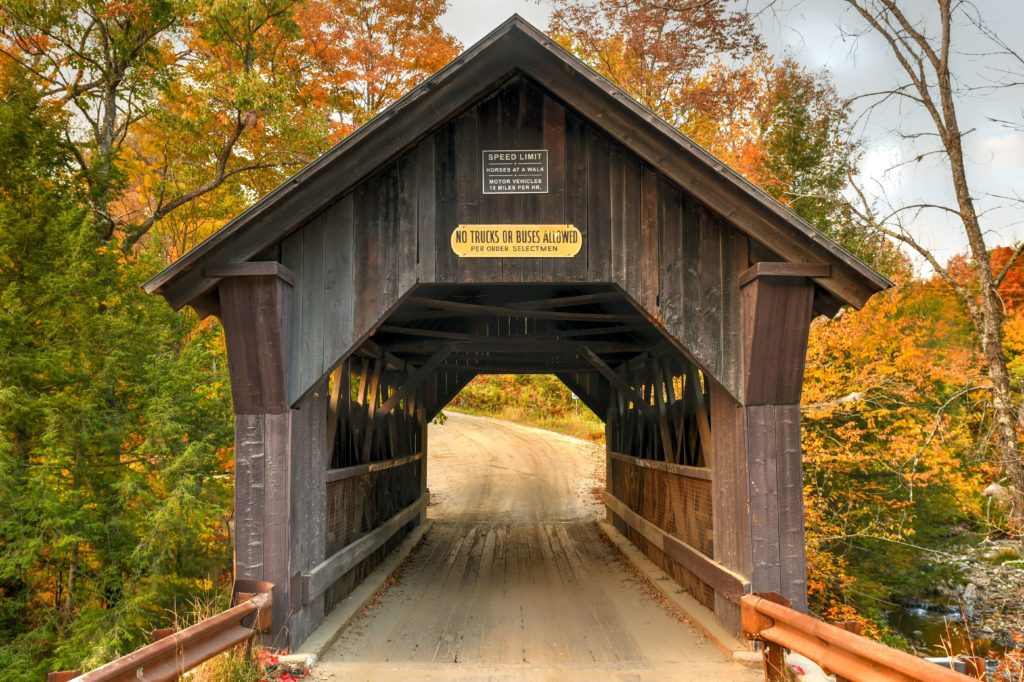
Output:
(160, 633)
(773, 655)
(850, 626)
(974, 666)
(63, 675)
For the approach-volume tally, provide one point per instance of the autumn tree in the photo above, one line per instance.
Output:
(655, 51)
(366, 55)
(703, 68)
(175, 100)
(921, 44)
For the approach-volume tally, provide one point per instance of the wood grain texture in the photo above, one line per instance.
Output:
(640, 230)
(776, 321)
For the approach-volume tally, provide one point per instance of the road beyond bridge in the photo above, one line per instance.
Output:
(515, 581)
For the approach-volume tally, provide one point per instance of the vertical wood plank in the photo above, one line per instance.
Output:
(468, 188)
(490, 137)
(311, 339)
(709, 292)
(671, 291)
(734, 260)
(510, 120)
(631, 225)
(407, 215)
(426, 218)
(576, 193)
(553, 203)
(291, 258)
(762, 460)
(600, 207)
(531, 136)
(446, 202)
(367, 260)
(250, 454)
(339, 281)
(729, 497)
(276, 518)
(387, 238)
(649, 241)
(616, 212)
(792, 547)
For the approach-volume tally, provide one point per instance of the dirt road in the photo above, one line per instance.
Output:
(515, 581)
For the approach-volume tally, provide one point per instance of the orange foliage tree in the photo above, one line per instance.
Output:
(891, 424)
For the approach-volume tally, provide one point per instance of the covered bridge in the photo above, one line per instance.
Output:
(517, 213)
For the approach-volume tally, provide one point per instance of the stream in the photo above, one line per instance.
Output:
(937, 630)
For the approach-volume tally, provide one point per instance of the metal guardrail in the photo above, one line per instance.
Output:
(766, 617)
(174, 653)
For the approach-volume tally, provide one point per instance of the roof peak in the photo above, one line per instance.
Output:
(515, 45)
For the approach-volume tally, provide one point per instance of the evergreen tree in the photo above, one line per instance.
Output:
(114, 422)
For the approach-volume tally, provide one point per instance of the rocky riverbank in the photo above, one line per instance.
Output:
(991, 597)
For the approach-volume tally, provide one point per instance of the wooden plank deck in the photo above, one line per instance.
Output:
(494, 592)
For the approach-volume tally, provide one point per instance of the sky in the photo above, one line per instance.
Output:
(812, 31)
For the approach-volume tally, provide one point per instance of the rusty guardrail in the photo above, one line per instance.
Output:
(174, 653)
(766, 617)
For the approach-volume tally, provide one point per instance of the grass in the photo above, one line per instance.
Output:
(535, 400)
(591, 429)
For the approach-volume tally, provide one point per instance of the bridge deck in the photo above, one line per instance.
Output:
(515, 580)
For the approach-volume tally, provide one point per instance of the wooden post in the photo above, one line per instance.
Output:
(279, 452)
(424, 424)
(777, 307)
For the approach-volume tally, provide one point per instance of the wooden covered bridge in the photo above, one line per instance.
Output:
(517, 213)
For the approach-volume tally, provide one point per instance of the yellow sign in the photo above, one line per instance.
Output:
(516, 241)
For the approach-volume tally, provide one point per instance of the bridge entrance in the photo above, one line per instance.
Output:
(517, 213)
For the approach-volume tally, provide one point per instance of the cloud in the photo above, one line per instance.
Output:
(1003, 151)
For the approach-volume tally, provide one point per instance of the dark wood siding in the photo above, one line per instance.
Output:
(673, 257)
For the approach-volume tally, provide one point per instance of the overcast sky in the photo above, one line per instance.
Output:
(811, 31)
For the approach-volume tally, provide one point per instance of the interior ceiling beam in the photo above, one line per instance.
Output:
(618, 382)
(567, 301)
(446, 308)
(413, 382)
(537, 336)
(520, 368)
(500, 344)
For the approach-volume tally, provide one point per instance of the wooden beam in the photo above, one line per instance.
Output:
(317, 581)
(492, 344)
(525, 368)
(337, 382)
(475, 309)
(703, 420)
(766, 269)
(540, 336)
(363, 469)
(720, 578)
(659, 401)
(370, 349)
(776, 316)
(568, 301)
(414, 380)
(369, 425)
(251, 269)
(702, 473)
(427, 333)
(617, 381)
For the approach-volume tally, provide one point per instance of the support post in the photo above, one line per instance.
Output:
(279, 452)
(777, 307)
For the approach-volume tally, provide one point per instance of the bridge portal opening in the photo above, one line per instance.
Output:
(653, 399)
